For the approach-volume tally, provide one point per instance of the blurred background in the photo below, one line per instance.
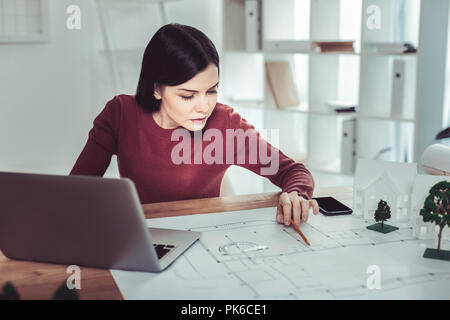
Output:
(339, 79)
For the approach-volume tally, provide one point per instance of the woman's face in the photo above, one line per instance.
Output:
(189, 104)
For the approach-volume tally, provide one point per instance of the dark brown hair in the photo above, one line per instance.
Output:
(175, 54)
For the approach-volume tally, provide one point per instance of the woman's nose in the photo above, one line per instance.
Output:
(202, 106)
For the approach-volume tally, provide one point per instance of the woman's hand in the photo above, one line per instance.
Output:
(293, 206)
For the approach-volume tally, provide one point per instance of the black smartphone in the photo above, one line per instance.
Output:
(329, 206)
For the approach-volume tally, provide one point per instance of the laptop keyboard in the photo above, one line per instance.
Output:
(162, 249)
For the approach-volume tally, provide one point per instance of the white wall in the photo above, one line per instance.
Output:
(51, 92)
(44, 98)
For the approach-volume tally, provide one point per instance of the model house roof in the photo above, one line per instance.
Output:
(400, 176)
(383, 181)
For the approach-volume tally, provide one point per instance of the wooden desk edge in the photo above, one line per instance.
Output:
(100, 282)
(230, 203)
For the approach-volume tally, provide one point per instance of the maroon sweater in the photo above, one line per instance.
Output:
(144, 149)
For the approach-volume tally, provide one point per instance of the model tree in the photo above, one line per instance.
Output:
(436, 208)
(382, 213)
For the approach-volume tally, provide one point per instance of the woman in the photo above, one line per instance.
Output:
(176, 100)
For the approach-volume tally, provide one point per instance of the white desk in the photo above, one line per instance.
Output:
(334, 267)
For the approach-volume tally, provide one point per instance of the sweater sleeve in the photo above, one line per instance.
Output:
(270, 162)
(101, 143)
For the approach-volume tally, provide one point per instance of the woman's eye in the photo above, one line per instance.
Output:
(190, 97)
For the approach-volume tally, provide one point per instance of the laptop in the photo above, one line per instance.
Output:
(85, 221)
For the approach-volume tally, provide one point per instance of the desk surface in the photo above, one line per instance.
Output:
(40, 280)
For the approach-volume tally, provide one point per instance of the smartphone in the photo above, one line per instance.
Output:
(329, 206)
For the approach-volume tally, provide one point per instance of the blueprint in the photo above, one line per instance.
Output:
(247, 255)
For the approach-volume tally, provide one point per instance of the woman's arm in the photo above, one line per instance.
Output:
(295, 181)
(93, 160)
(102, 142)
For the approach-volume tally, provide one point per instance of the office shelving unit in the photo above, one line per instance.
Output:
(310, 132)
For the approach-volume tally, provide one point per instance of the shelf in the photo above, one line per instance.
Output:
(336, 53)
(364, 76)
(385, 118)
(312, 52)
(287, 46)
(381, 54)
(298, 47)
(373, 48)
(303, 108)
(285, 51)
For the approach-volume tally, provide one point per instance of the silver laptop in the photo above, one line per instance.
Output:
(83, 220)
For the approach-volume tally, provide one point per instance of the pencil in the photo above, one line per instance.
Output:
(299, 232)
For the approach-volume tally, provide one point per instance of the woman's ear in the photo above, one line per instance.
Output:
(157, 92)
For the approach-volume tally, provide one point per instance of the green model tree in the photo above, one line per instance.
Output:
(382, 213)
(436, 207)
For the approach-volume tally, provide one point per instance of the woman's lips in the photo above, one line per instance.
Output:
(198, 120)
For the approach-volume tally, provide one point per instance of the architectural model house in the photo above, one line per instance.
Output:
(377, 180)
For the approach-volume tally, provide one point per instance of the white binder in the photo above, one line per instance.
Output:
(398, 84)
(252, 30)
(348, 146)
